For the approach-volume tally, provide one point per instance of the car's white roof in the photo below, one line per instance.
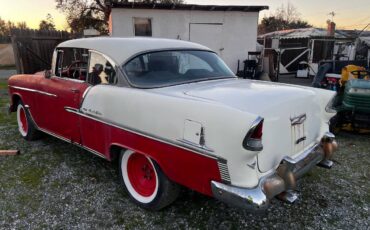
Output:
(121, 49)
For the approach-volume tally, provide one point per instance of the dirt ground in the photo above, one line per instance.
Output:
(53, 184)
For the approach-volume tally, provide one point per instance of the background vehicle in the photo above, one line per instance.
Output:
(352, 104)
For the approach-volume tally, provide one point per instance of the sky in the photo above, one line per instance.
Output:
(353, 14)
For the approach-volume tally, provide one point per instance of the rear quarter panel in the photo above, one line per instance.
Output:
(163, 116)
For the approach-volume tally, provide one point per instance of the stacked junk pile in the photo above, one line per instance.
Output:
(336, 60)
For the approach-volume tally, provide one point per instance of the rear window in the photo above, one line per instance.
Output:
(165, 68)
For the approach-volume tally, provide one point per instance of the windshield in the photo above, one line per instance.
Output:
(165, 68)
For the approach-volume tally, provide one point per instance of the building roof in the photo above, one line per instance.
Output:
(122, 49)
(301, 33)
(365, 40)
(161, 6)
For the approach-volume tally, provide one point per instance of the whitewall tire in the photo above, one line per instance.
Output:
(145, 182)
(26, 126)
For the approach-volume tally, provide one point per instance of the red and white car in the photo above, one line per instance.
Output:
(174, 114)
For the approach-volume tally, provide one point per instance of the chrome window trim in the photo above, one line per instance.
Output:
(68, 79)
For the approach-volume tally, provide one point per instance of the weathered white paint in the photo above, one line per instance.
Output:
(226, 110)
(237, 30)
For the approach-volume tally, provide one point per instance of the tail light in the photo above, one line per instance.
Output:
(253, 139)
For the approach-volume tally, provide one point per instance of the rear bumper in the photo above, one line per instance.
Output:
(283, 179)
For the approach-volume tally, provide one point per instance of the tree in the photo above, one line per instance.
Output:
(47, 24)
(22, 25)
(84, 14)
(284, 18)
(288, 13)
(6, 26)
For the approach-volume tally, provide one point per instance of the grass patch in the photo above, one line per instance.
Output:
(32, 177)
(7, 67)
(3, 84)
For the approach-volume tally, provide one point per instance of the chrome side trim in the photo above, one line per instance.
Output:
(191, 144)
(63, 138)
(70, 109)
(33, 90)
(76, 144)
(195, 149)
(92, 151)
(55, 135)
(224, 171)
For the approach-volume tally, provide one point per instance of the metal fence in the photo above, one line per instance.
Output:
(33, 49)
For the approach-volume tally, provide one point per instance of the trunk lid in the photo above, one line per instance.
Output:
(292, 115)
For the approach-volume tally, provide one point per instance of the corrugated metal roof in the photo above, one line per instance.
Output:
(301, 33)
(365, 40)
(161, 6)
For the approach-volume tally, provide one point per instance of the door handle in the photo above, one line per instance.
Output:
(75, 90)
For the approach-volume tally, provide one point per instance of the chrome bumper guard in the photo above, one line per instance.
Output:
(284, 179)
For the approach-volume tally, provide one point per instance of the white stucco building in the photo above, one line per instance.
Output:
(231, 31)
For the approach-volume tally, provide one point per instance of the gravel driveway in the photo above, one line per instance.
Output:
(52, 184)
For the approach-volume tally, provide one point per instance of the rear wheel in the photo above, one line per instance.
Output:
(26, 127)
(145, 182)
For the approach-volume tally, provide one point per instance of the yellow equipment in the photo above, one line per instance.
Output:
(347, 73)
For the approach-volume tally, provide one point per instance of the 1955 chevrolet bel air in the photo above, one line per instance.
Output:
(172, 113)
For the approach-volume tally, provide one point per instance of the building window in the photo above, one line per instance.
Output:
(143, 27)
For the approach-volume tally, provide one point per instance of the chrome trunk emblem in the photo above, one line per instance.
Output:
(298, 119)
(298, 132)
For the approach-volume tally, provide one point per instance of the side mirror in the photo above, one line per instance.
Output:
(47, 74)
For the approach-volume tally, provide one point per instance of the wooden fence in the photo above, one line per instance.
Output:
(33, 49)
(4, 39)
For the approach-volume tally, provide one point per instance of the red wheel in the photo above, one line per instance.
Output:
(145, 182)
(139, 176)
(142, 175)
(22, 120)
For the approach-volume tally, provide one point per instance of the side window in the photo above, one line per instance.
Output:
(101, 71)
(71, 63)
(143, 27)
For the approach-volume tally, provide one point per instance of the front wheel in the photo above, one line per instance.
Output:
(145, 182)
(26, 127)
